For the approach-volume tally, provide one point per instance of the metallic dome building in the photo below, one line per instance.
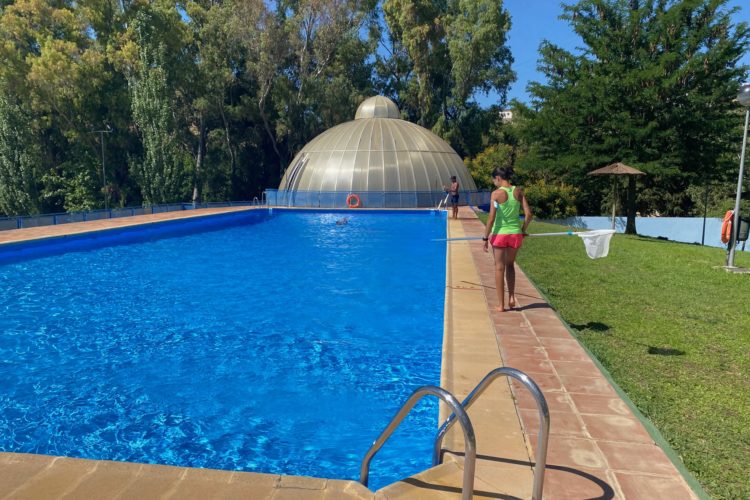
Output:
(386, 161)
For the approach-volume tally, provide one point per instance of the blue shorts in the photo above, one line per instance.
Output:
(454, 199)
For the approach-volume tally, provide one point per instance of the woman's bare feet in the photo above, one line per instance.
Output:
(512, 302)
(500, 309)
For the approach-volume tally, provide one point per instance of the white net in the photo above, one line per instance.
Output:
(597, 242)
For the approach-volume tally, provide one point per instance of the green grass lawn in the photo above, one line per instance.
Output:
(674, 333)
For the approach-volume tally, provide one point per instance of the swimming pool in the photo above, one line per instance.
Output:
(280, 344)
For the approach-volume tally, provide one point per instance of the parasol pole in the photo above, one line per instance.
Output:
(614, 199)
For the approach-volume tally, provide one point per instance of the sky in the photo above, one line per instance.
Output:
(535, 20)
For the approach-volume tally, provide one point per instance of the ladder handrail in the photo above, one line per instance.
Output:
(470, 445)
(443, 202)
(541, 402)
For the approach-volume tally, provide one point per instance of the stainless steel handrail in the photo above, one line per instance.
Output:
(443, 202)
(541, 402)
(470, 444)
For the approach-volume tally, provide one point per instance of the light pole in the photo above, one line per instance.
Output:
(743, 97)
(107, 130)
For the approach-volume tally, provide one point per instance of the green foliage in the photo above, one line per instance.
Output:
(160, 173)
(551, 201)
(19, 159)
(441, 55)
(481, 166)
(652, 87)
(672, 335)
(226, 93)
(73, 187)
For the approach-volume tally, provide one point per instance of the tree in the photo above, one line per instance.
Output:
(440, 54)
(161, 171)
(19, 159)
(652, 87)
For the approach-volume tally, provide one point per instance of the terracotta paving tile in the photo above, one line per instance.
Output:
(571, 451)
(600, 405)
(540, 315)
(567, 423)
(547, 331)
(556, 401)
(616, 428)
(637, 457)
(568, 341)
(588, 385)
(567, 353)
(576, 368)
(529, 365)
(518, 341)
(547, 383)
(577, 483)
(527, 351)
(642, 486)
(514, 331)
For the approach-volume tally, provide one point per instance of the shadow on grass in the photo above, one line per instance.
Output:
(594, 326)
(607, 492)
(665, 351)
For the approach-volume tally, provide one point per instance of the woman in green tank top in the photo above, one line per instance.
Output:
(506, 232)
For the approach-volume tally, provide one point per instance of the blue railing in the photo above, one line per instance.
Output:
(18, 222)
(371, 199)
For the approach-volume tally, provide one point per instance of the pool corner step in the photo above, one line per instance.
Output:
(444, 481)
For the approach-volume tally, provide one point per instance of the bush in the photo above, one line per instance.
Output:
(482, 165)
(551, 201)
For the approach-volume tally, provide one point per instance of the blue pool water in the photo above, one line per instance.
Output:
(279, 344)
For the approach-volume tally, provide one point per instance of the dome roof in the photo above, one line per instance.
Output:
(376, 152)
(377, 107)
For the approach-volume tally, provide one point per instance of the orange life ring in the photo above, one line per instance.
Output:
(726, 226)
(353, 201)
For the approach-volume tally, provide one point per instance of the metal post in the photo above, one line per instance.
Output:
(736, 217)
(705, 213)
(614, 200)
(107, 130)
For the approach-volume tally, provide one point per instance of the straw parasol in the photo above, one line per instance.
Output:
(618, 169)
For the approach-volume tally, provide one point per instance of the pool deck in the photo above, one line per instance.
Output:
(598, 448)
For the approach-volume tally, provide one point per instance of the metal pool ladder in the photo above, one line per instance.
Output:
(541, 402)
(443, 202)
(459, 413)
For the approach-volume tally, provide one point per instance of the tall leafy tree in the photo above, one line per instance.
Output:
(308, 62)
(161, 171)
(652, 87)
(438, 55)
(19, 159)
(53, 65)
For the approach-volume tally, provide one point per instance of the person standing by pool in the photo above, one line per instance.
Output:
(453, 192)
(505, 232)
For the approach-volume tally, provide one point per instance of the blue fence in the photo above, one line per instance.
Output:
(371, 199)
(113, 213)
(272, 197)
(683, 229)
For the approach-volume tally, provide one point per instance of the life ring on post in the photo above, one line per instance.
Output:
(353, 201)
(726, 226)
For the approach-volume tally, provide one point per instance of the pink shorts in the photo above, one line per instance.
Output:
(506, 240)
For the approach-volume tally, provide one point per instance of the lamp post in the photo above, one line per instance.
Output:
(743, 97)
(107, 130)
